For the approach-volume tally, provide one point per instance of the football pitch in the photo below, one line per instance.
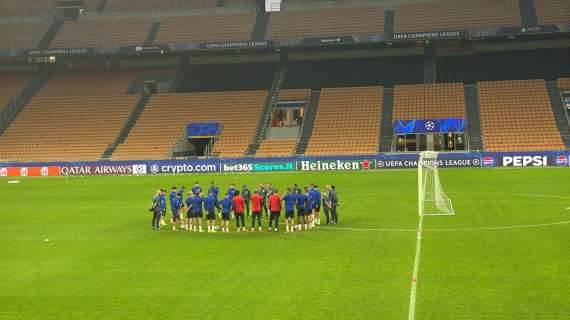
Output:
(504, 255)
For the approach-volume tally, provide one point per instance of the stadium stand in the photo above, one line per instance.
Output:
(11, 83)
(276, 148)
(150, 5)
(294, 94)
(451, 15)
(552, 11)
(347, 121)
(229, 77)
(204, 28)
(94, 31)
(507, 65)
(75, 116)
(326, 22)
(564, 84)
(25, 35)
(386, 71)
(26, 8)
(517, 116)
(150, 138)
(429, 101)
(157, 5)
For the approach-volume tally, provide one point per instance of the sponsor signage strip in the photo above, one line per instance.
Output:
(285, 164)
(289, 42)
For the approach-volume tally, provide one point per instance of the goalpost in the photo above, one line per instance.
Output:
(432, 200)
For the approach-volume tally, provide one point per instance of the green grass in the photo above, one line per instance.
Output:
(104, 261)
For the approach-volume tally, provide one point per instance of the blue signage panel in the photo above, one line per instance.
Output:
(430, 125)
(203, 130)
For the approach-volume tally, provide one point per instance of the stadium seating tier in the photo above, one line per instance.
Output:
(517, 116)
(326, 22)
(237, 111)
(347, 121)
(429, 101)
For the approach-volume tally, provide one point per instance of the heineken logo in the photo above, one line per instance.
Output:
(335, 165)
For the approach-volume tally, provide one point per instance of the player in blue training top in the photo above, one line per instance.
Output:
(183, 220)
(189, 215)
(214, 190)
(316, 195)
(196, 189)
(300, 201)
(210, 207)
(232, 190)
(308, 205)
(226, 205)
(175, 205)
(173, 193)
(162, 206)
(289, 199)
(197, 212)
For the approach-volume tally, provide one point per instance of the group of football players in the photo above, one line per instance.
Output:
(303, 203)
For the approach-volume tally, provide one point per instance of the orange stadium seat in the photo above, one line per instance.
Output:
(76, 116)
(219, 27)
(276, 148)
(22, 35)
(151, 138)
(564, 84)
(11, 84)
(347, 121)
(154, 5)
(103, 32)
(294, 94)
(517, 116)
(429, 101)
(450, 15)
(552, 11)
(326, 22)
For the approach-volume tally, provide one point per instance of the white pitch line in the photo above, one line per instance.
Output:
(513, 194)
(368, 229)
(503, 227)
(412, 308)
(455, 229)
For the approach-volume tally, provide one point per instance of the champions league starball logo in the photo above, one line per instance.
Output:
(154, 168)
(430, 125)
(476, 162)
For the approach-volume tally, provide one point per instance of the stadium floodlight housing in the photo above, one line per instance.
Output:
(432, 200)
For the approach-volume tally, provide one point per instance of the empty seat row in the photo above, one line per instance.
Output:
(517, 116)
(429, 101)
(238, 113)
(347, 121)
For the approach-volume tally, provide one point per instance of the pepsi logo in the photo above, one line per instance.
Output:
(562, 160)
(488, 161)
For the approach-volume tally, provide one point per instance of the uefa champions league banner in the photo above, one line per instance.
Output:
(284, 164)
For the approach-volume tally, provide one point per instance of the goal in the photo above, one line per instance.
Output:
(432, 200)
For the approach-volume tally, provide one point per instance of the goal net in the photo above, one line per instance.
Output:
(432, 200)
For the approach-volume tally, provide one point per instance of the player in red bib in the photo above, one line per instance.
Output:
(256, 201)
(275, 209)
(239, 205)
